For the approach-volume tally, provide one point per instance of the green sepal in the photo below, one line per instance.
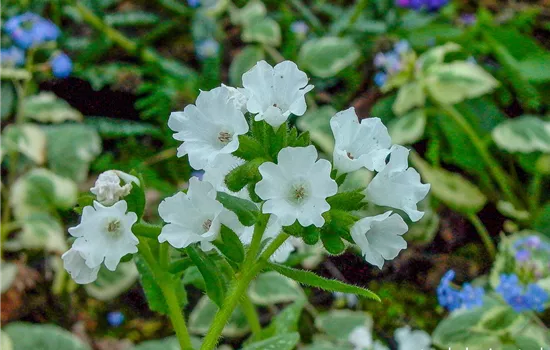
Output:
(349, 201)
(340, 223)
(136, 198)
(303, 140)
(252, 193)
(332, 241)
(230, 245)
(83, 201)
(311, 279)
(215, 286)
(311, 235)
(295, 229)
(244, 174)
(292, 136)
(127, 258)
(340, 179)
(246, 211)
(249, 148)
(278, 141)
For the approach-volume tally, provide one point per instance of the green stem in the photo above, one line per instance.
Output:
(535, 190)
(143, 229)
(166, 284)
(491, 164)
(274, 54)
(308, 15)
(256, 242)
(251, 315)
(483, 234)
(238, 290)
(359, 7)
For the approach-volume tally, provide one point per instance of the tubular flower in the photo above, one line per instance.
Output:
(75, 264)
(107, 187)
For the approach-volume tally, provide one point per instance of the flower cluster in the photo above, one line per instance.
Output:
(520, 297)
(30, 30)
(426, 5)
(390, 63)
(527, 246)
(451, 298)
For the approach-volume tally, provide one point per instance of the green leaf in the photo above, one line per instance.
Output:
(230, 245)
(454, 82)
(249, 148)
(436, 55)
(254, 11)
(409, 96)
(5, 341)
(71, 149)
(280, 342)
(28, 139)
(113, 128)
(499, 320)
(246, 211)
(338, 324)
(215, 286)
(311, 279)
(534, 68)
(244, 174)
(352, 200)
(317, 123)
(9, 99)
(26, 336)
(266, 32)
(46, 107)
(9, 272)
(332, 242)
(284, 322)
(40, 230)
(327, 56)
(542, 220)
(153, 292)
(203, 315)
(111, 284)
(244, 61)
(409, 128)
(524, 134)
(271, 288)
(131, 19)
(169, 343)
(451, 188)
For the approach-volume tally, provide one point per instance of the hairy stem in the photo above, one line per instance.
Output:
(251, 315)
(483, 234)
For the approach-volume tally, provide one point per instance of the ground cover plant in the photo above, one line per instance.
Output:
(275, 175)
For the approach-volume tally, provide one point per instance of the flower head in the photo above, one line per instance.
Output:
(75, 264)
(62, 66)
(297, 186)
(380, 79)
(360, 338)
(379, 237)
(107, 187)
(521, 298)
(195, 217)
(29, 29)
(536, 297)
(107, 232)
(357, 145)
(208, 128)
(397, 185)
(115, 318)
(471, 296)
(408, 339)
(299, 28)
(276, 92)
(12, 56)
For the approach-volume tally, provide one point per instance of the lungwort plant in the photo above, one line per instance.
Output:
(263, 182)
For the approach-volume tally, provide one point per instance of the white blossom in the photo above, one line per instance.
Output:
(107, 187)
(238, 97)
(75, 264)
(412, 340)
(361, 338)
(195, 217)
(297, 186)
(357, 145)
(379, 237)
(397, 185)
(276, 92)
(105, 234)
(208, 128)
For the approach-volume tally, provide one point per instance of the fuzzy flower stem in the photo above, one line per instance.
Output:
(492, 166)
(237, 291)
(251, 315)
(483, 234)
(167, 287)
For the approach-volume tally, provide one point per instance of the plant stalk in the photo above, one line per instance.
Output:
(483, 234)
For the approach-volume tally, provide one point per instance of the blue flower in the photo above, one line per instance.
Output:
(12, 56)
(380, 79)
(471, 296)
(523, 255)
(508, 286)
(62, 66)
(447, 296)
(299, 27)
(207, 48)
(518, 302)
(379, 60)
(536, 297)
(29, 29)
(115, 318)
(402, 47)
(194, 3)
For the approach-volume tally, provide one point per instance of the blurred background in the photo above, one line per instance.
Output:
(88, 86)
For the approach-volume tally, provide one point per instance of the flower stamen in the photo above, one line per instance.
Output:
(224, 137)
(206, 225)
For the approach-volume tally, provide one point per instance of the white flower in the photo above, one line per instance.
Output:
(361, 338)
(75, 264)
(412, 340)
(195, 217)
(208, 128)
(107, 187)
(216, 172)
(276, 92)
(379, 237)
(238, 97)
(398, 186)
(107, 232)
(297, 187)
(357, 145)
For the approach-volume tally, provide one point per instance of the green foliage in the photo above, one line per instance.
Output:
(271, 288)
(317, 123)
(338, 324)
(111, 284)
(230, 245)
(409, 128)
(26, 336)
(266, 32)
(203, 314)
(349, 201)
(111, 128)
(281, 342)
(48, 108)
(215, 285)
(244, 61)
(246, 211)
(27, 139)
(325, 57)
(524, 134)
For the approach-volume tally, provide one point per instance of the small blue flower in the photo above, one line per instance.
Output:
(380, 79)
(471, 296)
(508, 286)
(533, 242)
(207, 48)
(194, 3)
(468, 19)
(29, 29)
(115, 318)
(536, 297)
(62, 66)
(379, 60)
(518, 302)
(447, 296)
(12, 56)
(299, 27)
(523, 255)
(402, 47)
